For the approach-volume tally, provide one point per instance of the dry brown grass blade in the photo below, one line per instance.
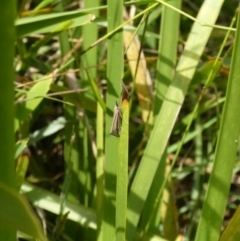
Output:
(143, 83)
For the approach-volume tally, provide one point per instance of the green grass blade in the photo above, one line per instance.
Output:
(100, 169)
(6, 94)
(90, 58)
(90, 80)
(114, 85)
(232, 231)
(225, 155)
(51, 202)
(96, 90)
(165, 71)
(20, 146)
(120, 27)
(71, 148)
(33, 98)
(50, 22)
(21, 168)
(7, 165)
(167, 52)
(122, 176)
(169, 112)
(43, 4)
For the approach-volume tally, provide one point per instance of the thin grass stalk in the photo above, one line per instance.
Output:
(100, 170)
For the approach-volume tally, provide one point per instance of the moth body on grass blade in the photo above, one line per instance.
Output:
(117, 121)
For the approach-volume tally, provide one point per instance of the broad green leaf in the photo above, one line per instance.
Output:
(16, 214)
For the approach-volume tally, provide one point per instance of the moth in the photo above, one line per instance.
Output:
(117, 121)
